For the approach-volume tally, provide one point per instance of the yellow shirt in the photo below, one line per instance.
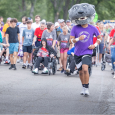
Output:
(5, 28)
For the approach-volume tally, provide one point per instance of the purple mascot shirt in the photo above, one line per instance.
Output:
(81, 47)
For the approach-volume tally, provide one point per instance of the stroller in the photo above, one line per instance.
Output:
(52, 64)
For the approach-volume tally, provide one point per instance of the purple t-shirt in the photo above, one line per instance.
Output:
(81, 47)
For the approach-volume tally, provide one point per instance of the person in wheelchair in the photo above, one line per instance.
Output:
(71, 61)
(44, 53)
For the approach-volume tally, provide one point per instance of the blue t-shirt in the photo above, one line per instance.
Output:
(28, 37)
(59, 29)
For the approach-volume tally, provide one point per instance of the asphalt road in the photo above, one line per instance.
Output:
(22, 92)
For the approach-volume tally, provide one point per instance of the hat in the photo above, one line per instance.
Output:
(43, 22)
(9, 18)
(68, 21)
(56, 24)
(18, 23)
(61, 20)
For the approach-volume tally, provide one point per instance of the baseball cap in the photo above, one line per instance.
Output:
(18, 23)
(61, 20)
(56, 24)
(68, 21)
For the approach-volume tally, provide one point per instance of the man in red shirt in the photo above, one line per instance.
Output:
(112, 35)
(38, 34)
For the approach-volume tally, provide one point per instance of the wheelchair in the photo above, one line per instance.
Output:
(52, 65)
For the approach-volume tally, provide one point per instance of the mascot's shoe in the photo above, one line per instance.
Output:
(86, 92)
(35, 71)
(45, 71)
(83, 91)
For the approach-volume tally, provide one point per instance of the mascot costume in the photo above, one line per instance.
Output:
(82, 36)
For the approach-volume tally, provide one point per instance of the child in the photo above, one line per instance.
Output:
(27, 40)
(12, 40)
(63, 45)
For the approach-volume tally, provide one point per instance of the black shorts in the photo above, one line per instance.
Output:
(27, 49)
(84, 59)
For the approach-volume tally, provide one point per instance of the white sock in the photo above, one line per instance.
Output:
(24, 64)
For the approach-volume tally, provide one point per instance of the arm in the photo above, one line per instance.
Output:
(111, 41)
(22, 40)
(7, 38)
(99, 38)
(19, 38)
(54, 41)
(70, 51)
(74, 40)
(34, 40)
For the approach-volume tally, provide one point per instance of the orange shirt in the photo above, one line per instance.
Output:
(5, 28)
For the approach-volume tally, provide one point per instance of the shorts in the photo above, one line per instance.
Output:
(84, 59)
(62, 50)
(13, 47)
(37, 43)
(101, 46)
(27, 49)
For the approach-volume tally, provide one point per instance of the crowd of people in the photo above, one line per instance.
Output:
(17, 40)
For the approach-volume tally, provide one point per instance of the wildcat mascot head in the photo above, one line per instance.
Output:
(82, 13)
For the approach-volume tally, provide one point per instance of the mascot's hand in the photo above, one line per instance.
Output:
(82, 37)
(91, 47)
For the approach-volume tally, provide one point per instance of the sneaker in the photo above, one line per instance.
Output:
(114, 77)
(28, 66)
(24, 66)
(60, 69)
(83, 91)
(45, 71)
(112, 72)
(11, 67)
(35, 71)
(86, 93)
(14, 67)
(7, 62)
(18, 60)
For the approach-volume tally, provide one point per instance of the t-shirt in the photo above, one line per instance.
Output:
(81, 47)
(49, 36)
(112, 34)
(95, 38)
(22, 27)
(13, 34)
(34, 26)
(43, 52)
(64, 40)
(28, 37)
(38, 33)
(5, 28)
(59, 29)
(1, 29)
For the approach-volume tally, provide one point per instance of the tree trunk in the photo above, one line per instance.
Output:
(23, 5)
(32, 8)
(56, 17)
(65, 9)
